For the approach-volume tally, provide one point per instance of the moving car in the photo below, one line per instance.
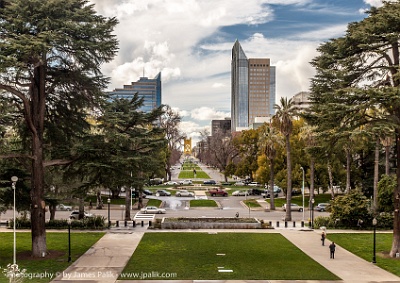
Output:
(75, 214)
(171, 183)
(239, 183)
(184, 193)
(153, 210)
(63, 207)
(321, 206)
(209, 182)
(293, 207)
(147, 192)
(161, 193)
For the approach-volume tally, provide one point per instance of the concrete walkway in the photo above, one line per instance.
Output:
(108, 257)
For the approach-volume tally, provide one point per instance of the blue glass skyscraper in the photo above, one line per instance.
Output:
(252, 88)
(148, 89)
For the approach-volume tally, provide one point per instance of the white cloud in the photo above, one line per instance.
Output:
(375, 3)
(207, 114)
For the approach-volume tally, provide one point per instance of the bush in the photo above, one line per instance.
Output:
(96, 222)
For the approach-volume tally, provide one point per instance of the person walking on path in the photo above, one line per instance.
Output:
(332, 248)
(323, 236)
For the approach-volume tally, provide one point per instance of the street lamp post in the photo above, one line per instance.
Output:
(312, 213)
(69, 239)
(374, 222)
(302, 169)
(14, 180)
(108, 203)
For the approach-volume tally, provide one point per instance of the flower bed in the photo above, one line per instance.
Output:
(210, 223)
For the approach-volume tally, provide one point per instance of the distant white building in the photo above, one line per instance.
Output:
(302, 100)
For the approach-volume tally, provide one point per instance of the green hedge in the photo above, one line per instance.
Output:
(96, 222)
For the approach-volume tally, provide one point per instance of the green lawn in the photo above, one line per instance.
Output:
(299, 200)
(57, 244)
(188, 174)
(203, 203)
(154, 202)
(362, 245)
(251, 256)
(251, 203)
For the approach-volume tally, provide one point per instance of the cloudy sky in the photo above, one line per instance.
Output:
(190, 43)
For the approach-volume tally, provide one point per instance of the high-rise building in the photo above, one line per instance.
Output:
(148, 89)
(253, 88)
(221, 126)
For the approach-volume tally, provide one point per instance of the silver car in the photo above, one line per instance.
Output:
(153, 210)
(184, 193)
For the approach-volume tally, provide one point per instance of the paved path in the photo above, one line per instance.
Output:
(107, 258)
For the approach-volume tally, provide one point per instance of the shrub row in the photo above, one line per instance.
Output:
(96, 222)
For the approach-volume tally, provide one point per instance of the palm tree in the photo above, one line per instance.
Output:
(308, 134)
(269, 139)
(283, 117)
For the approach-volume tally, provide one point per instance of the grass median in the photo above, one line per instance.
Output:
(221, 256)
(361, 244)
(56, 261)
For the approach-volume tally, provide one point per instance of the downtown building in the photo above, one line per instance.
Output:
(253, 88)
(148, 89)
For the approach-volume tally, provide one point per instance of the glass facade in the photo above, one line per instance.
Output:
(148, 89)
(253, 88)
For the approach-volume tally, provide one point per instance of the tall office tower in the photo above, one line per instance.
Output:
(253, 88)
(222, 126)
(148, 89)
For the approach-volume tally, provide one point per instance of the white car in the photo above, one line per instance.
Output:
(239, 183)
(171, 183)
(153, 210)
(184, 193)
(186, 182)
(293, 207)
(240, 193)
(254, 184)
(63, 207)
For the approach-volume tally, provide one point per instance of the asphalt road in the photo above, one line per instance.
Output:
(178, 206)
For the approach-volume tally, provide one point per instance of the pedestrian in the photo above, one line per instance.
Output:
(332, 248)
(237, 214)
(323, 236)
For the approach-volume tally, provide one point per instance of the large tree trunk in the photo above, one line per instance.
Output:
(376, 176)
(36, 119)
(330, 180)
(288, 216)
(271, 184)
(312, 176)
(348, 170)
(128, 197)
(396, 222)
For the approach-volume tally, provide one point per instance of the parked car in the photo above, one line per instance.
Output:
(162, 193)
(255, 192)
(153, 210)
(147, 192)
(186, 182)
(75, 214)
(209, 182)
(240, 193)
(321, 206)
(254, 184)
(296, 192)
(63, 207)
(293, 207)
(218, 192)
(239, 183)
(267, 194)
(184, 193)
(276, 188)
(171, 183)
(156, 181)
